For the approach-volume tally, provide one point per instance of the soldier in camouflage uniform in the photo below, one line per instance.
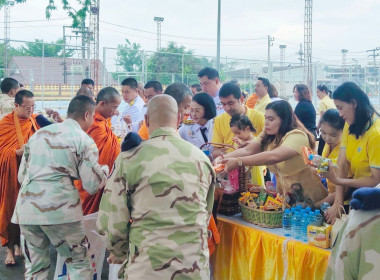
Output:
(48, 207)
(9, 88)
(356, 254)
(156, 206)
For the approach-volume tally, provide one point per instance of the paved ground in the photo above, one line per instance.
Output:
(17, 272)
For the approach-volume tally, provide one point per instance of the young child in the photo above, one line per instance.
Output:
(242, 128)
(331, 132)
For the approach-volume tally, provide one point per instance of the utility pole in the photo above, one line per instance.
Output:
(158, 20)
(300, 53)
(308, 31)
(344, 57)
(282, 59)
(94, 42)
(344, 62)
(375, 71)
(270, 44)
(7, 20)
(218, 37)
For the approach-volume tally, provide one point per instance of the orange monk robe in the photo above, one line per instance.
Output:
(215, 239)
(251, 101)
(109, 149)
(14, 132)
(144, 132)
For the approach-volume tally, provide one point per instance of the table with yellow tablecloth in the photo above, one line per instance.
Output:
(248, 252)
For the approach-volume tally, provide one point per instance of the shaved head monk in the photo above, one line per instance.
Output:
(15, 130)
(107, 102)
(86, 91)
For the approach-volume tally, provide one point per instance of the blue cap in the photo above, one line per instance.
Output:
(287, 211)
(308, 209)
(207, 152)
(293, 209)
(299, 206)
(317, 211)
(311, 157)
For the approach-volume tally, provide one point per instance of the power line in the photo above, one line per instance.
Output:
(181, 37)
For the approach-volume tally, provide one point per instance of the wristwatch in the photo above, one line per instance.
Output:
(240, 162)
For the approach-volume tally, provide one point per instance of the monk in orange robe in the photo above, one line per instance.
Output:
(15, 130)
(252, 100)
(107, 102)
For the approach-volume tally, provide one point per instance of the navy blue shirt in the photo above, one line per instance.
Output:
(305, 112)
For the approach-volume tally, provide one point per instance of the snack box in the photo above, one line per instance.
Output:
(319, 236)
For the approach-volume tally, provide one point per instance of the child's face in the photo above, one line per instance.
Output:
(331, 135)
(241, 134)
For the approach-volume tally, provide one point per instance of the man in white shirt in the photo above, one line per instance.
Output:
(131, 106)
(210, 83)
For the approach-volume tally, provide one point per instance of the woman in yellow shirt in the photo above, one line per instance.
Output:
(359, 155)
(279, 147)
(331, 131)
(325, 104)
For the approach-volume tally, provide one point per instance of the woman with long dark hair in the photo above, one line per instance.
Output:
(304, 110)
(279, 147)
(359, 157)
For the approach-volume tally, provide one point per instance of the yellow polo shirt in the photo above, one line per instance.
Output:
(262, 103)
(363, 153)
(222, 134)
(326, 103)
(333, 155)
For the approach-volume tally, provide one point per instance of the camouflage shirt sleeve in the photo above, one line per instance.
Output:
(114, 214)
(23, 165)
(90, 172)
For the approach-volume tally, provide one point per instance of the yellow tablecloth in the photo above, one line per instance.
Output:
(249, 252)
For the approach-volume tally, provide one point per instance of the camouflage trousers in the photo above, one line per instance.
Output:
(69, 240)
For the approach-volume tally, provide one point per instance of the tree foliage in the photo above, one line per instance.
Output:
(39, 48)
(166, 65)
(77, 14)
(129, 56)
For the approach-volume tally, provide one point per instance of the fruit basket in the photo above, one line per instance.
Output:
(260, 217)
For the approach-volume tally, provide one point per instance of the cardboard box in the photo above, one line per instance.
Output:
(319, 236)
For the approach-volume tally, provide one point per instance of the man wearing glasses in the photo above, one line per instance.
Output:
(15, 130)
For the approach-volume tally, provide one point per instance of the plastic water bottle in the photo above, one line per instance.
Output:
(318, 218)
(287, 222)
(296, 222)
(304, 223)
(325, 206)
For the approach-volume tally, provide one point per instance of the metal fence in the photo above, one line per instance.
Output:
(54, 71)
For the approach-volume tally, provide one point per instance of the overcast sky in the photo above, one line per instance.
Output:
(337, 24)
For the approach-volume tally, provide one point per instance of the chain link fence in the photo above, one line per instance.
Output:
(53, 72)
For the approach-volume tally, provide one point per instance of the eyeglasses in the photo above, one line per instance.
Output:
(32, 107)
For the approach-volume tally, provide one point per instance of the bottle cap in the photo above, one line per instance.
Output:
(287, 211)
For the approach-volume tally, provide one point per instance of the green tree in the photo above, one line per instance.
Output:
(166, 65)
(39, 47)
(77, 15)
(129, 56)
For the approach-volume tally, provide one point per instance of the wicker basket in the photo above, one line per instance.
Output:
(262, 218)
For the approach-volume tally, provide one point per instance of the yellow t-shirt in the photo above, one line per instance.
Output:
(333, 155)
(262, 103)
(363, 153)
(222, 134)
(293, 175)
(326, 103)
